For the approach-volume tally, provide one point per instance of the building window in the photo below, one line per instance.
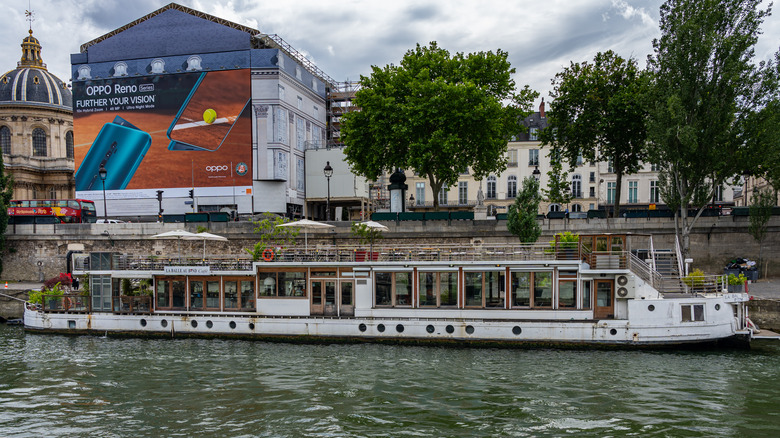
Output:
(419, 193)
(443, 195)
(533, 134)
(281, 92)
(52, 193)
(718, 196)
(300, 175)
(533, 157)
(610, 167)
(39, 142)
(5, 140)
(633, 192)
(300, 134)
(592, 177)
(512, 157)
(554, 208)
(576, 208)
(491, 187)
(69, 144)
(576, 186)
(316, 112)
(280, 126)
(592, 193)
(611, 192)
(300, 103)
(654, 168)
(511, 186)
(579, 160)
(463, 192)
(654, 193)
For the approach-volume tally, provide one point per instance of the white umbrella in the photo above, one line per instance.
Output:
(306, 225)
(175, 234)
(204, 237)
(376, 225)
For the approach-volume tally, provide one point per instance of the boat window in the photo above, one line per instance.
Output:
(473, 289)
(542, 289)
(346, 293)
(438, 289)
(282, 284)
(323, 273)
(212, 294)
(485, 289)
(521, 289)
(567, 294)
(231, 295)
(196, 295)
(586, 300)
(394, 289)
(162, 293)
(171, 293)
(247, 294)
(692, 312)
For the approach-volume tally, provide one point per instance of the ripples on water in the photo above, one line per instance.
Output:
(92, 386)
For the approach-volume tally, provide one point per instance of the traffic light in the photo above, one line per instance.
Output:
(159, 195)
(192, 194)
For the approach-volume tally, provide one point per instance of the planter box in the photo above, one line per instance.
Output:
(362, 256)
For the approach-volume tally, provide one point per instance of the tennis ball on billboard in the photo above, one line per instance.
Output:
(209, 116)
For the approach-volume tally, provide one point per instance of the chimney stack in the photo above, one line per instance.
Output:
(541, 109)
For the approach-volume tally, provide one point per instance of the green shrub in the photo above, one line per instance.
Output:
(736, 280)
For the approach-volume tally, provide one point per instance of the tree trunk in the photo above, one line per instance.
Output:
(435, 190)
(618, 190)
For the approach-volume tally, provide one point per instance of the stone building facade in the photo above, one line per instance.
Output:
(36, 128)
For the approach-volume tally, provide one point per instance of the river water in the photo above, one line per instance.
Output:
(91, 386)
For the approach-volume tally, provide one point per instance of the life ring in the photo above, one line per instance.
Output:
(268, 255)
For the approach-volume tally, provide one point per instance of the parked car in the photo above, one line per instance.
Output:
(109, 221)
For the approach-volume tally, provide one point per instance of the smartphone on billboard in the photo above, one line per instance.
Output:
(119, 148)
(206, 117)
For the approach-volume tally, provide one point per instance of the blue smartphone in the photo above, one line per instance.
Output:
(119, 147)
(192, 129)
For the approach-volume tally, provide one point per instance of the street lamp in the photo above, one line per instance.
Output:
(328, 173)
(411, 201)
(536, 173)
(102, 172)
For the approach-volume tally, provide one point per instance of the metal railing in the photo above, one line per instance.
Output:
(137, 304)
(69, 303)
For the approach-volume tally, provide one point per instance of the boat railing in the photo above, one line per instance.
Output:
(126, 262)
(132, 304)
(700, 284)
(68, 303)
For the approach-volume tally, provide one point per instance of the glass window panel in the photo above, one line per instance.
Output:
(448, 288)
(586, 294)
(521, 289)
(267, 284)
(494, 289)
(427, 289)
(384, 287)
(231, 295)
(196, 295)
(292, 284)
(247, 295)
(162, 293)
(473, 289)
(403, 288)
(603, 294)
(346, 293)
(212, 294)
(178, 293)
(698, 312)
(316, 293)
(567, 294)
(543, 289)
(686, 313)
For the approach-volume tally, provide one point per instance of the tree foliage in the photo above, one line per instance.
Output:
(435, 114)
(598, 113)
(6, 192)
(760, 213)
(271, 234)
(705, 86)
(521, 218)
(558, 190)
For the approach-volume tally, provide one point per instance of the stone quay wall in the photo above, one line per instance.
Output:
(35, 252)
(765, 313)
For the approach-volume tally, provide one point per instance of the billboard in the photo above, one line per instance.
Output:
(166, 131)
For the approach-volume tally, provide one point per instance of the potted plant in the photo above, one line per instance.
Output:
(565, 245)
(736, 283)
(366, 235)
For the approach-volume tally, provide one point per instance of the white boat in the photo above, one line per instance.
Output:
(595, 293)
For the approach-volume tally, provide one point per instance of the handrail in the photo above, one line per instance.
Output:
(678, 253)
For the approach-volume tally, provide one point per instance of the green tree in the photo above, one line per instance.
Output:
(437, 115)
(6, 192)
(521, 220)
(558, 190)
(271, 235)
(760, 213)
(704, 84)
(598, 114)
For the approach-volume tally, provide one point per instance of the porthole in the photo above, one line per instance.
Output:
(651, 307)
(381, 328)
(613, 332)
(251, 326)
(430, 329)
(450, 329)
(470, 329)
(232, 324)
(143, 322)
(717, 307)
(362, 327)
(517, 330)
(209, 324)
(194, 323)
(399, 328)
(164, 323)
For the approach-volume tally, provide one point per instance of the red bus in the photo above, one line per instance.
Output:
(51, 211)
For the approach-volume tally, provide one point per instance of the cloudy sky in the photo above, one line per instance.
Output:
(344, 38)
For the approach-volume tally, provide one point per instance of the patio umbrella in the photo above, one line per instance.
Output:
(175, 234)
(306, 225)
(204, 237)
(375, 226)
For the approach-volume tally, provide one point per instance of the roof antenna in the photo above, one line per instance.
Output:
(30, 14)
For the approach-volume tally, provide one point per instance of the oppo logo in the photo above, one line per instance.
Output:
(216, 168)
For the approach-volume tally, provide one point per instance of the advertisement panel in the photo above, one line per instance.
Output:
(165, 131)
